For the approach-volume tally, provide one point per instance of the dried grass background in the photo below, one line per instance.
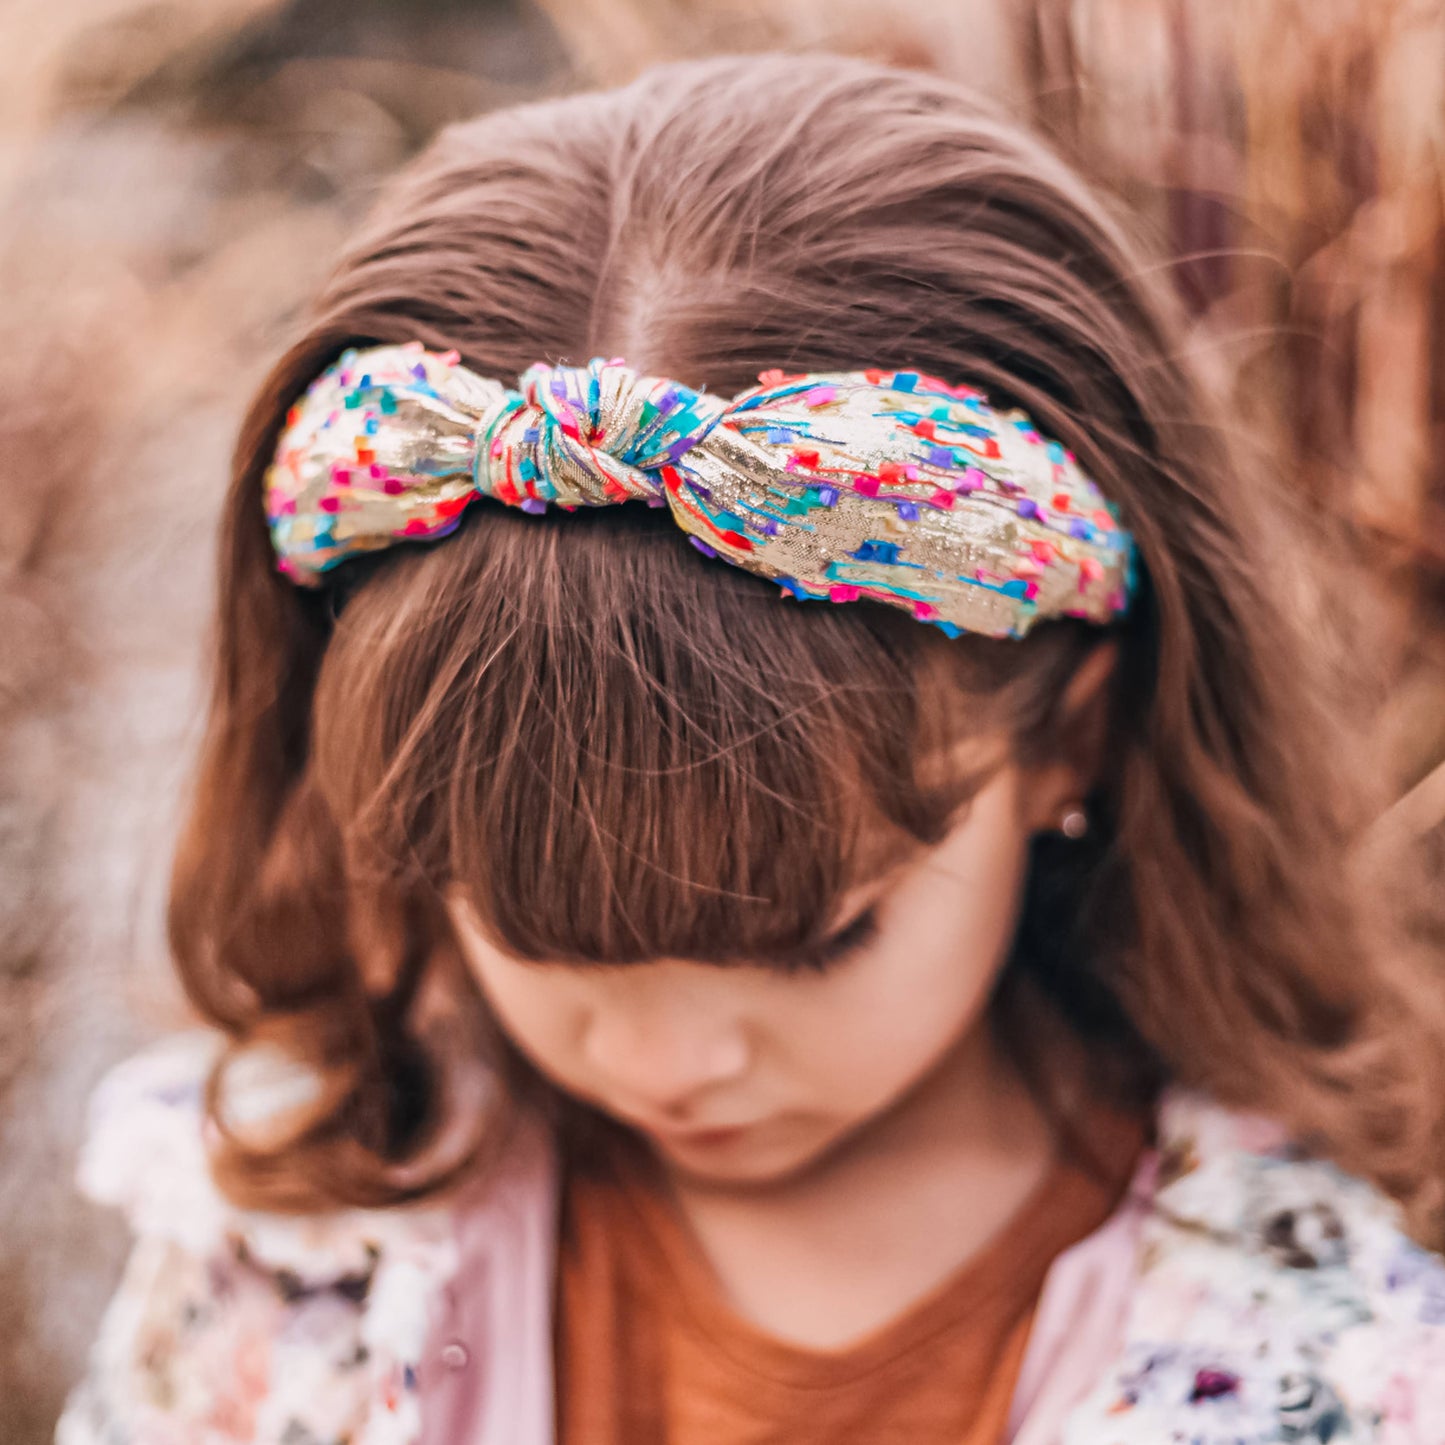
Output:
(174, 178)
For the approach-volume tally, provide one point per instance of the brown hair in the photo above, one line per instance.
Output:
(622, 751)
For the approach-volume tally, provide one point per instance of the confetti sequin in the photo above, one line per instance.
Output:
(890, 486)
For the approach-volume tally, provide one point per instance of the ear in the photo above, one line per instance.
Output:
(1061, 782)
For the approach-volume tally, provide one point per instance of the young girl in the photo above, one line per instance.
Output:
(653, 1003)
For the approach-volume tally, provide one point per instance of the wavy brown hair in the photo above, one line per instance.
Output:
(621, 751)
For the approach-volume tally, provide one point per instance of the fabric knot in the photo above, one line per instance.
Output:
(589, 435)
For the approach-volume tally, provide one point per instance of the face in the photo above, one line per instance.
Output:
(747, 1074)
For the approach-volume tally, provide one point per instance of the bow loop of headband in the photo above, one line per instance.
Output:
(600, 431)
(891, 486)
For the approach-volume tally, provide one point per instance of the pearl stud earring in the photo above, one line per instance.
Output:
(1075, 822)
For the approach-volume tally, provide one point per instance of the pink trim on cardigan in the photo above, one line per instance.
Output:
(486, 1377)
(1079, 1325)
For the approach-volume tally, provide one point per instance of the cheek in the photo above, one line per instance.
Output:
(536, 1011)
(885, 1018)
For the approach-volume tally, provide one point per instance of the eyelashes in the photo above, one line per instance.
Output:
(819, 957)
(836, 949)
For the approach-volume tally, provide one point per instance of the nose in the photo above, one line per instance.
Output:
(661, 1062)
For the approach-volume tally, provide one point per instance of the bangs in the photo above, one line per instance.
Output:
(624, 751)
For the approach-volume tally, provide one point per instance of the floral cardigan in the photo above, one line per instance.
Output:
(1264, 1297)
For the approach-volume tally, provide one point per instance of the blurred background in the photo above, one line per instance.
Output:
(176, 175)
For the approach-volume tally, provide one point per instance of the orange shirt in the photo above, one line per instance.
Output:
(650, 1353)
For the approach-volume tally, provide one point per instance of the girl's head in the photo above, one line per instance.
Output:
(709, 859)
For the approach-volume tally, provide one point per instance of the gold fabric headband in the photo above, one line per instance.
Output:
(890, 486)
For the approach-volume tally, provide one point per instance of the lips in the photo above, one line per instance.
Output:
(700, 1138)
(713, 1138)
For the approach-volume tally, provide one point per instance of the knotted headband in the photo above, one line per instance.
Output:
(887, 485)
